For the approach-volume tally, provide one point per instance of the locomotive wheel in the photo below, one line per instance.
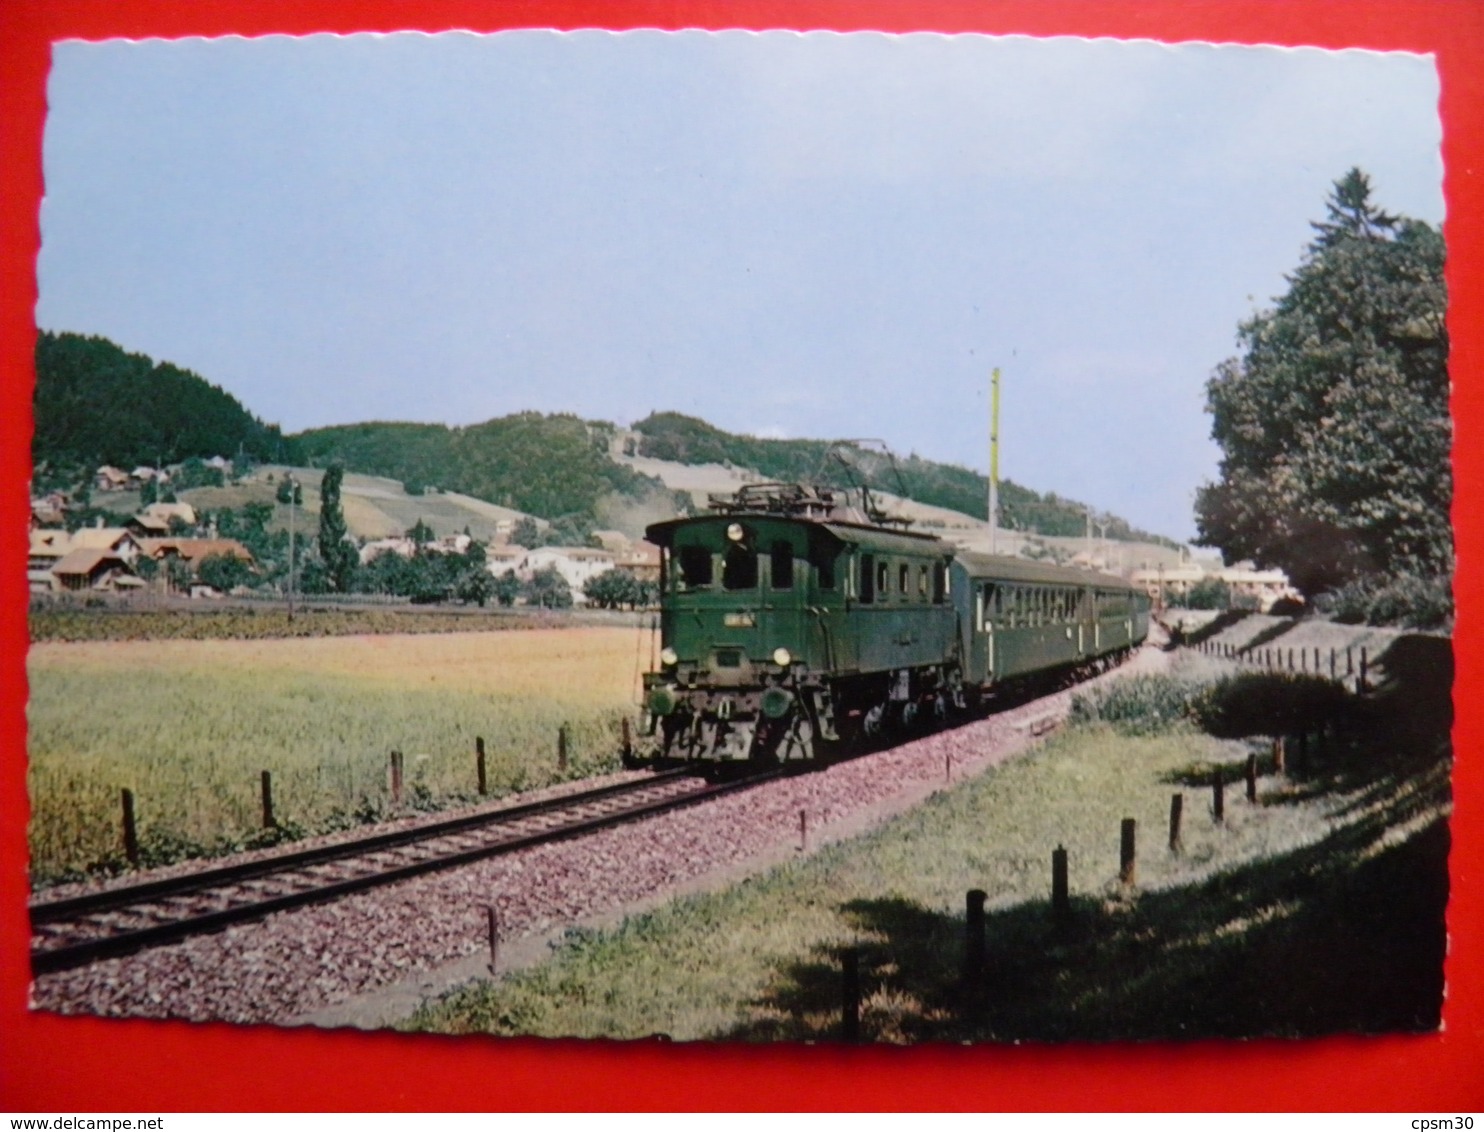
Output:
(872, 721)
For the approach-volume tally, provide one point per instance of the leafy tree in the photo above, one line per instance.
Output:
(421, 533)
(547, 588)
(289, 489)
(475, 584)
(338, 554)
(507, 588)
(224, 572)
(526, 533)
(1209, 593)
(178, 574)
(611, 589)
(1334, 423)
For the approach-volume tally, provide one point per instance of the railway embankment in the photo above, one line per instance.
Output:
(1311, 902)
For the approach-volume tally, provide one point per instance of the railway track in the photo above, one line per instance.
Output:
(74, 931)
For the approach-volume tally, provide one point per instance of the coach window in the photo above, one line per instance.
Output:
(922, 585)
(739, 568)
(883, 580)
(903, 573)
(695, 567)
(781, 566)
(868, 578)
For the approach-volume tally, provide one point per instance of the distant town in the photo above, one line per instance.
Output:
(170, 547)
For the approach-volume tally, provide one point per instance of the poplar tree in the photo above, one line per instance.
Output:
(338, 554)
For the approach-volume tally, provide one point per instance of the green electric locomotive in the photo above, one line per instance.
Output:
(795, 619)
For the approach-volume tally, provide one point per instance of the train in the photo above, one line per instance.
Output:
(800, 621)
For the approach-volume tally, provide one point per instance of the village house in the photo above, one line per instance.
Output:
(577, 564)
(641, 559)
(90, 569)
(49, 510)
(402, 547)
(109, 478)
(1265, 586)
(158, 519)
(192, 552)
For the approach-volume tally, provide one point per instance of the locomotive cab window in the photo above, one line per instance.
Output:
(823, 562)
(868, 578)
(940, 584)
(739, 569)
(781, 566)
(695, 567)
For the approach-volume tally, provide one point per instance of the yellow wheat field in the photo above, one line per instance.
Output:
(189, 726)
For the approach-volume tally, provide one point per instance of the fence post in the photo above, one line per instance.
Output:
(1280, 760)
(562, 747)
(131, 834)
(1177, 810)
(396, 768)
(1332, 664)
(1218, 799)
(479, 769)
(974, 950)
(1361, 686)
(268, 820)
(850, 995)
(492, 922)
(803, 831)
(1290, 659)
(1252, 776)
(1126, 851)
(1061, 905)
(628, 742)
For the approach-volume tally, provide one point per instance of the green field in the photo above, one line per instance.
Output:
(1317, 909)
(189, 725)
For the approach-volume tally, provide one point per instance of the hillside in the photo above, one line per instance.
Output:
(687, 440)
(545, 465)
(98, 404)
(374, 507)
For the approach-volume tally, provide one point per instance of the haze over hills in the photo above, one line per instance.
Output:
(96, 403)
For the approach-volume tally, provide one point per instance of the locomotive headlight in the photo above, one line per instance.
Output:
(735, 532)
(782, 657)
(669, 657)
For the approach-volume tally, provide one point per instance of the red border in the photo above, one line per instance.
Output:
(57, 1064)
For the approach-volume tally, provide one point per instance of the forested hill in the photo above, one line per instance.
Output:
(687, 440)
(98, 404)
(545, 465)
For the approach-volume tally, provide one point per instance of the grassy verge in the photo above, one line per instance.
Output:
(188, 726)
(248, 623)
(1317, 909)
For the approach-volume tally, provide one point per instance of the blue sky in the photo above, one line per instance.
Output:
(790, 235)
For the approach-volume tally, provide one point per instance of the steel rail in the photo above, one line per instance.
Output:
(139, 898)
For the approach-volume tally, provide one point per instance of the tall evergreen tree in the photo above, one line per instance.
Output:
(1334, 423)
(339, 555)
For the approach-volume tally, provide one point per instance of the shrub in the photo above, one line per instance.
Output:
(1406, 602)
(1139, 705)
(1267, 703)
